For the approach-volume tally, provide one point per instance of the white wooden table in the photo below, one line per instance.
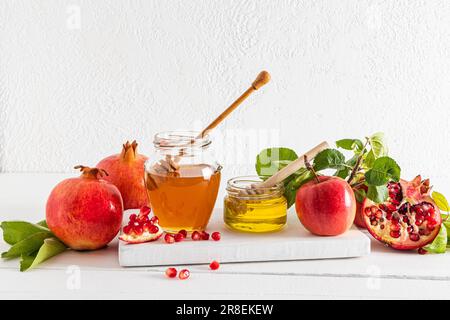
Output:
(383, 274)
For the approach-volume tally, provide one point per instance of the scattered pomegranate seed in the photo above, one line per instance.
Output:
(171, 272)
(205, 235)
(183, 232)
(127, 229)
(178, 237)
(215, 236)
(422, 251)
(196, 236)
(154, 219)
(168, 238)
(145, 211)
(133, 217)
(214, 265)
(184, 274)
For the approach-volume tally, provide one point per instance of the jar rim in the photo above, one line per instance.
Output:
(240, 185)
(180, 139)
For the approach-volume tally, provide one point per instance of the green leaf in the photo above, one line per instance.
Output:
(377, 194)
(378, 144)
(50, 248)
(15, 231)
(350, 144)
(345, 172)
(269, 161)
(329, 159)
(27, 246)
(42, 223)
(440, 201)
(291, 187)
(439, 244)
(384, 169)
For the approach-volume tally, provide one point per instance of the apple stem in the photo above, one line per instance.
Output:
(310, 168)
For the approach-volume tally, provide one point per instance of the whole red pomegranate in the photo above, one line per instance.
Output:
(408, 220)
(326, 206)
(85, 212)
(126, 172)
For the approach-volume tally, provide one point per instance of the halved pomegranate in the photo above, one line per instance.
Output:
(141, 229)
(408, 220)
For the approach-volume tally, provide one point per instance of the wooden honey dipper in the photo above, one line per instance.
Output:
(170, 163)
(279, 176)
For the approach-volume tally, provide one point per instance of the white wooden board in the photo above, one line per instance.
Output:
(291, 243)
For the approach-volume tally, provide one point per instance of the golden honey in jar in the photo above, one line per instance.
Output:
(182, 181)
(264, 211)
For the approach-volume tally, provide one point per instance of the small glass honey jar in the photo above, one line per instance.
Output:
(249, 210)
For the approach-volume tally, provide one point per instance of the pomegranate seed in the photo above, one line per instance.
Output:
(146, 226)
(379, 214)
(154, 219)
(382, 226)
(214, 265)
(368, 212)
(142, 219)
(419, 222)
(373, 222)
(183, 232)
(410, 229)
(422, 251)
(127, 229)
(395, 234)
(373, 209)
(389, 216)
(168, 238)
(153, 229)
(414, 237)
(138, 230)
(171, 272)
(215, 236)
(205, 235)
(178, 237)
(133, 217)
(145, 211)
(395, 227)
(391, 207)
(184, 274)
(196, 236)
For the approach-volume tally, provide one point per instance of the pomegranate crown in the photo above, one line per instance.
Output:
(129, 150)
(91, 172)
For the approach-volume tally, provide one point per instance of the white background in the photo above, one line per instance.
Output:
(78, 78)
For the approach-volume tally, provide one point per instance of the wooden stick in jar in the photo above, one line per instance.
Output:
(288, 170)
(262, 79)
(170, 163)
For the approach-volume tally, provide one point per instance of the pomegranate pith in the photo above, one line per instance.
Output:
(408, 220)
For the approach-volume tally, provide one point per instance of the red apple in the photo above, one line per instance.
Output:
(86, 212)
(327, 207)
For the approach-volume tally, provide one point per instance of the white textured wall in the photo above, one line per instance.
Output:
(71, 94)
